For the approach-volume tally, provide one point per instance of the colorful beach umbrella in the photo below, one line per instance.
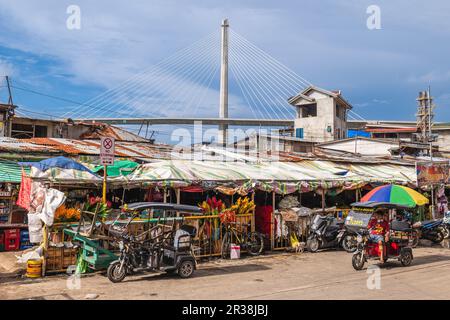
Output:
(396, 194)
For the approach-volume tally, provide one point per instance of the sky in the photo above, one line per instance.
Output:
(328, 43)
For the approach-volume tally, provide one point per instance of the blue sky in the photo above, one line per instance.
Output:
(327, 42)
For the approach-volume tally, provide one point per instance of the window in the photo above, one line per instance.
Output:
(299, 133)
(26, 131)
(340, 112)
(309, 110)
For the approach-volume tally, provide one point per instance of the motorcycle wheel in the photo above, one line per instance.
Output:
(406, 258)
(445, 231)
(186, 269)
(357, 262)
(439, 237)
(349, 243)
(313, 244)
(255, 244)
(114, 274)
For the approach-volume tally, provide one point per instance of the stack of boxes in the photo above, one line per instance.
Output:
(25, 240)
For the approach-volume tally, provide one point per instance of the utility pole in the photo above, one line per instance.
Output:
(223, 111)
(425, 117)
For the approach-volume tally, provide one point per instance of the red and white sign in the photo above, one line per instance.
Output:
(107, 146)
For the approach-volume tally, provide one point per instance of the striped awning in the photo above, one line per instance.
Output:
(10, 171)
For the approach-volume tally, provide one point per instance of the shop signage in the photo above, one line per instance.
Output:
(432, 173)
(107, 146)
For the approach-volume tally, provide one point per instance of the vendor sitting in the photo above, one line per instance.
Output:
(379, 231)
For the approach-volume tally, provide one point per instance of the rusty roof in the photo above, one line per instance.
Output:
(74, 147)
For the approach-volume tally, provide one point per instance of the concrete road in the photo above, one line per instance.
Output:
(323, 275)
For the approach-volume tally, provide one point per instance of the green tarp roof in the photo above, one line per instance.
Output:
(10, 171)
(121, 167)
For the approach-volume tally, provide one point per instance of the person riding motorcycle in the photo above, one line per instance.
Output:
(379, 231)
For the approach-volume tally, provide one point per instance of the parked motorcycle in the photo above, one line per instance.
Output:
(325, 232)
(349, 242)
(446, 225)
(430, 230)
(156, 256)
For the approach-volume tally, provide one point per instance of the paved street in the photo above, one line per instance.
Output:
(324, 275)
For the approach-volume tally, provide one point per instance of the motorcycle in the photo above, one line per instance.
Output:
(325, 232)
(349, 242)
(430, 230)
(446, 225)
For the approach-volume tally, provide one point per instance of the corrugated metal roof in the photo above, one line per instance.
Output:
(73, 147)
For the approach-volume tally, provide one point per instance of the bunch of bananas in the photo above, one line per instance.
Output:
(243, 206)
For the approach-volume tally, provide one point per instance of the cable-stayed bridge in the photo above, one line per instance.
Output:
(222, 79)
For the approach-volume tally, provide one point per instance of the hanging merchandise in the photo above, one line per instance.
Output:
(53, 199)
(24, 197)
(442, 202)
(289, 202)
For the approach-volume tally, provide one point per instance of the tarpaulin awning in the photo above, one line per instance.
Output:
(11, 171)
(56, 162)
(120, 168)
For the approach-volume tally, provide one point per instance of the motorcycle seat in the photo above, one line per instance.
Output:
(400, 226)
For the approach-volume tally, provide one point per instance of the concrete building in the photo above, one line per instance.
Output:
(28, 128)
(321, 115)
(6, 114)
(263, 143)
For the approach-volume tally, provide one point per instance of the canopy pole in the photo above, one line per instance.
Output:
(104, 184)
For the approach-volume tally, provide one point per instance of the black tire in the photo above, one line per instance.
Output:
(313, 244)
(349, 243)
(445, 231)
(226, 244)
(113, 273)
(439, 237)
(186, 269)
(255, 243)
(357, 263)
(406, 258)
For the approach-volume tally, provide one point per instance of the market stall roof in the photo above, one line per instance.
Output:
(120, 168)
(61, 170)
(10, 171)
(56, 162)
(192, 172)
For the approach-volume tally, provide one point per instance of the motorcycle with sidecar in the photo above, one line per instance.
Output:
(397, 247)
(159, 249)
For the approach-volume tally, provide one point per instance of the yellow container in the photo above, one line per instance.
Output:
(34, 268)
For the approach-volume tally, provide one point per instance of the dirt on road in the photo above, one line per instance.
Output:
(322, 275)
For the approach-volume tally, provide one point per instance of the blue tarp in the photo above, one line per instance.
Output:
(351, 133)
(58, 162)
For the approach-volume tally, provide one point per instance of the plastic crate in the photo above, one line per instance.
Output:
(2, 241)
(12, 239)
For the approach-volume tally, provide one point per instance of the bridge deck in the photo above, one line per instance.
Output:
(203, 121)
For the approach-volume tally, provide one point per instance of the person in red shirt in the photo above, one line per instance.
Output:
(379, 232)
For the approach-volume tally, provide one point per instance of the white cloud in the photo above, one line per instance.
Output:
(6, 68)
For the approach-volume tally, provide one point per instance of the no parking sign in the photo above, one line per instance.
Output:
(107, 146)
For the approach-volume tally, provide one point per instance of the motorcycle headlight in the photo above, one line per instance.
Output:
(121, 246)
(359, 238)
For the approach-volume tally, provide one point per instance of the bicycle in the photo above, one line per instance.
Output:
(253, 242)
